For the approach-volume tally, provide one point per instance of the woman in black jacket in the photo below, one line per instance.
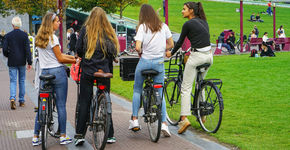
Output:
(97, 46)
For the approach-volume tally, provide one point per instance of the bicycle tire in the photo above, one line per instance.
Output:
(101, 123)
(77, 105)
(209, 110)
(44, 129)
(53, 124)
(153, 116)
(173, 102)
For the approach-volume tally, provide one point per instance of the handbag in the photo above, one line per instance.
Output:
(75, 71)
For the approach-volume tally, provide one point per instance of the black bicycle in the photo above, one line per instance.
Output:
(151, 100)
(246, 43)
(47, 112)
(100, 112)
(206, 101)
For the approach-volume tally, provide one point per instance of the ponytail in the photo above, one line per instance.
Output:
(197, 8)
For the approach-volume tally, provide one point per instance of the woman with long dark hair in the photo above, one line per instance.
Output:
(97, 46)
(197, 31)
(154, 37)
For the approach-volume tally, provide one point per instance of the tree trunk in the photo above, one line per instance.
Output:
(121, 12)
(30, 25)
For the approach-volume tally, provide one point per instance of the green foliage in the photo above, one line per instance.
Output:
(4, 10)
(256, 100)
(87, 5)
(35, 7)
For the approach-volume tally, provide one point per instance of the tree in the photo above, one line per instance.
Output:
(123, 4)
(87, 5)
(4, 9)
(110, 6)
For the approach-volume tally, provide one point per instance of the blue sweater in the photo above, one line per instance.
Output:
(16, 48)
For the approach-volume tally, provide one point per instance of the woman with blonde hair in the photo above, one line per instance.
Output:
(97, 46)
(155, 38)
(51, 61)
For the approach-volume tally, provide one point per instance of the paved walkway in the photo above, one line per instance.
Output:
(16, 126)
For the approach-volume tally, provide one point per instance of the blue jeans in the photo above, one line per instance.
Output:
(13, 82)
(143, 64)
(60, 89)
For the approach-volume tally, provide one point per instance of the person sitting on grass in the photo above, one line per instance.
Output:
(266, 46)
(258, 18)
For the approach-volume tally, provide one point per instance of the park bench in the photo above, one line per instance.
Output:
(278, 41)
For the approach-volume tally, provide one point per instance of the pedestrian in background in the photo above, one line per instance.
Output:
(16, 48)
(51, 62)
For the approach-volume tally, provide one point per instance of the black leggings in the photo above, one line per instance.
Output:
(86, 92)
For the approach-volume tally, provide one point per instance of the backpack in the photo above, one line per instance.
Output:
(253, 53)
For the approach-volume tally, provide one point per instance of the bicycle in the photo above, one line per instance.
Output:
(100, 112)
(151, 100)
(246, 43)
(206, 101)
(47, 112)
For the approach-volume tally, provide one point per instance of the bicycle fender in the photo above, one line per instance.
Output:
(109, 103)
(158, 97)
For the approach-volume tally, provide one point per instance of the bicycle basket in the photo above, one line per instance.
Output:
(128, 67)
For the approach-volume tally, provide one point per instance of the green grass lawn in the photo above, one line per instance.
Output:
(256, 100)
(221, 16)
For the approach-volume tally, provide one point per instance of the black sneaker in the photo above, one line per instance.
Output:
(79, 142)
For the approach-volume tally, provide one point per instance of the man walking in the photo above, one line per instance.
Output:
(16, 48)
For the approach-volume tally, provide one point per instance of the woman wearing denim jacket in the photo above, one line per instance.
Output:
(51, 61)
(154, 37)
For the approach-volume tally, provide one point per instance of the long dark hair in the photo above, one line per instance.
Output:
(197, 9)
(149, 17)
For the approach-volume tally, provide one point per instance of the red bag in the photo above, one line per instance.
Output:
(74, 72)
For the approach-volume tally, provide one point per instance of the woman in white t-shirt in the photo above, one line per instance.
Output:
(281, 32)
(51, 62)
(154, 37)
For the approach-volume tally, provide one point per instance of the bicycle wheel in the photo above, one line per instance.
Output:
(53, 124)
(173, 102)
(44, 120)
(152, 116)
(101, 123)
(209, 107)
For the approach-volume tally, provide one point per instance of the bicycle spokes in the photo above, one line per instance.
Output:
(209, 107)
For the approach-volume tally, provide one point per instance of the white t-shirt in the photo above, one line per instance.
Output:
(47, 57)
(282, 34)
(265, 38)
(156, 48)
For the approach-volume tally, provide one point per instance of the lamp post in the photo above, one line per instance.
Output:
(166, 12)
(60, 26)
(274, 21)
(241, 25)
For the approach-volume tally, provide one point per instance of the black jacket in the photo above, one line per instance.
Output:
(72, 42)
(97, 61)
(16, 48)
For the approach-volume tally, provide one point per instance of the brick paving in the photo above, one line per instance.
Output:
(12, 121)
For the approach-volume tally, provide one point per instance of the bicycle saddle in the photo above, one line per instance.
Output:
(203, 67)
(149, 72)
(103, 75)
(47, 77)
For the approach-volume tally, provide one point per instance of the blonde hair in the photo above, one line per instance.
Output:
(45, 31)
(97, 29)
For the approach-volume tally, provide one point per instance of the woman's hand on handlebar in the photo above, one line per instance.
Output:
(168, 54)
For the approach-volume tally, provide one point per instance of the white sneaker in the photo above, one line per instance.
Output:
(134, 125)
(65, 140)
(165, 130)
(36, 141)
